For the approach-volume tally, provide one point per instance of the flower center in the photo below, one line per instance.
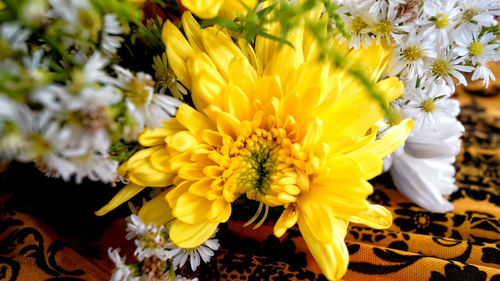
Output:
(413, 53)
(267, 172)
(475, 49)
(442, 21)
(91, 22)
(468, 14)
(441, 67)
(384, 27)
(260, 166)
(428, 105)
(358, 24)
(138, 90)
(39, 145)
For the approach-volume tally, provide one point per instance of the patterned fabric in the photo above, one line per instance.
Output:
(48, 231)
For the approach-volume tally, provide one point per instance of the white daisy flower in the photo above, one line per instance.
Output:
(408, 59)
(110, 42)
(122, 271)
(147, 108)
(476, 14)
(386, 25)
(483, 72)
(445, 66)
(477, 50)
(354, 15)
(423, 168)
(437, 19)
(201, 253)
(425, 105)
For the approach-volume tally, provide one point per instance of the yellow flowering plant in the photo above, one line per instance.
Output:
(273, 123)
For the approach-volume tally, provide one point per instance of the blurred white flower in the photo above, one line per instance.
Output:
(146, 107)
(482, 71)
(475, 14)
(122, 271)
(15, 35)
(110, 42)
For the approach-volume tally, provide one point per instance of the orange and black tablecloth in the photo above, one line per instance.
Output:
(48, 230)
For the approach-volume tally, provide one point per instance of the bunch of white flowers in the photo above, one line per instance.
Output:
(64, 104)
(434, 43)
(158, 257)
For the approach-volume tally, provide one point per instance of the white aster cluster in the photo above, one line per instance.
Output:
(435, 43)
(63, 103)
(158, 257)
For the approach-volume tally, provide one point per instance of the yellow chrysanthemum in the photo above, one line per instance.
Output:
(207, 9)
(272, 123)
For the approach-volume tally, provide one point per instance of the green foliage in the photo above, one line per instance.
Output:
(121, 151)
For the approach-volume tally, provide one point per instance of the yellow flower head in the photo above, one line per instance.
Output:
(275, 124)
(207, 9)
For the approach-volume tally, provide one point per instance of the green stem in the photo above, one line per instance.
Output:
(54, 44)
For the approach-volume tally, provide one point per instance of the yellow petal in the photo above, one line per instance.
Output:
(370, 163)
(181, 141)
(288, 59)
(373, 59)
(249, 53)
(207, 81)
(156, 137)
(332, 258)
(355, 113)
(220, 48)
(125, 194)
(205, 9)
(141, 171)
(243, 75)
(287, 219)
(220, 210)
(188, 236)
(178, 52)
(191, 208)
(318, 216)
(201, 187)
(374, 216)
(156, 211)
(313, 135)
(192, 171)
(237, 103)
(174, 193)
(194, 121)
(392, 139)
(160, 160)
(193, 31)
